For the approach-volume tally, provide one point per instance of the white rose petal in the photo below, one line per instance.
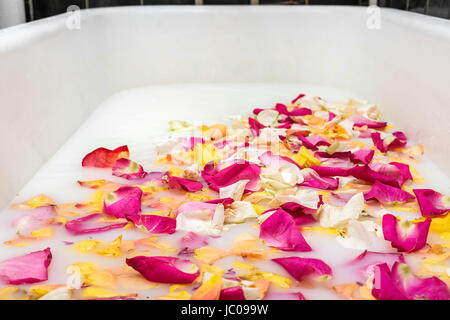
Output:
(332, 216)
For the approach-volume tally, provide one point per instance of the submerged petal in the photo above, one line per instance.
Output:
(128, 169)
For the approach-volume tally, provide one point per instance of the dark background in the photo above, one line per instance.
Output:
(38, 9)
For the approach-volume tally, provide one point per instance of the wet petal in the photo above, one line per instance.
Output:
(128, 169)
(432, 202)
(105, 158)
(165, 269)
(29, 268)
(280, 231)
(124, 202)
(300, 268)
(405, 235)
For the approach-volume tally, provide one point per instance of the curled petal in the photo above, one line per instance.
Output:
(418, 288)
(182, 184)
(280, 231)
(394, 170)
(105, 158)
(77, 226)
(360, 121)
(431, 202)
(191, 241)
(124, 202)
(405, 235)
(302, 267)
(30, 268)
(232, 293)
(302, 215)
(165, 269)
(154, 223)
(387, 194)
(128, 169)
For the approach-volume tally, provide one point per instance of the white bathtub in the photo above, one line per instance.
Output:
(53, 78)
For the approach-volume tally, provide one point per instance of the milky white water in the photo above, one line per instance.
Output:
(139, 118)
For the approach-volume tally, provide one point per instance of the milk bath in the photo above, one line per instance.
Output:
(139, 118)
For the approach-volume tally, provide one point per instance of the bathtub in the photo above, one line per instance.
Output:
(54, 74)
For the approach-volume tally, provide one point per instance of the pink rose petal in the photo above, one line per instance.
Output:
(431, 202)
(232, 174)
(154, 223)
(232, 293)
(387, 194)
(78, 226)
(300, 268)
(178, 183)
(406, 236)
(128, 169)
(124, 202)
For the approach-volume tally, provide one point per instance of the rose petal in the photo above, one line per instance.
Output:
(232, 174)
(128, 169)
(387, 194)
(406, 236)
(124, 202)
(362, 156)
(165, 269)
(299, 267)
(154, 223)
(182, 184)
(232, 293)
(360, 121)
(29, 268)
(105, 158)
(280, 231)
(431, 202)
(77, 226)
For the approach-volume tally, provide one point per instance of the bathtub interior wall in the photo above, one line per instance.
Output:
(53, 77)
